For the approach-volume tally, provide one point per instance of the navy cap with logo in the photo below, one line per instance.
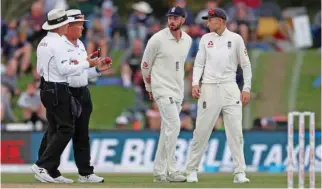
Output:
(216, 12)
(176, 11)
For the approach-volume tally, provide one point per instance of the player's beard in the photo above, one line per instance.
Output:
(172, 28)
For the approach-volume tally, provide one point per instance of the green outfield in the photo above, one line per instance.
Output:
(217, 180)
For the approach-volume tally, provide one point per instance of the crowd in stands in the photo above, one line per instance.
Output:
(106, 29)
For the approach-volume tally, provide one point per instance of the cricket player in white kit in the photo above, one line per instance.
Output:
(220, 52)
(163, 72)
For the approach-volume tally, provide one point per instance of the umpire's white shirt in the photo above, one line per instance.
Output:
(218, 58)
(79, 52)
(163, 62)
(54, 60)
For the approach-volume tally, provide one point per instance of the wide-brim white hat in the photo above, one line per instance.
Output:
(76, 14)
(142, 7)
(56, 18)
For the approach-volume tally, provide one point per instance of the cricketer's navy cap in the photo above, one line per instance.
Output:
(176, 11)
(216, 12)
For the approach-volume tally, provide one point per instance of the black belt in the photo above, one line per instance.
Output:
(77, 89)
(54, 85)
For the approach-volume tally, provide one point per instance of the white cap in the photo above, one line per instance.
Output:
(122, 120)
(56, 18)
(142, 6)
(76, 15)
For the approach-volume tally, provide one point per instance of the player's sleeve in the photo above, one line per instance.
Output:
(149, 55)
(199, 64)
(92, 72)
(245, 64)
(66, 65)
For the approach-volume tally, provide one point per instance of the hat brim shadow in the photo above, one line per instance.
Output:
(46, 26)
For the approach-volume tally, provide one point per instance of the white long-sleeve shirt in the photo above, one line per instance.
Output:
(79, 52)
(55, 62)
(218, 58)
(163, 64)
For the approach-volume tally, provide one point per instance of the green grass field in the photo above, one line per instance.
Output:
(218, 180)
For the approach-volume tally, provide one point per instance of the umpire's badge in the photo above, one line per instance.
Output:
(171, 100)
(204, 105)
(229, 44)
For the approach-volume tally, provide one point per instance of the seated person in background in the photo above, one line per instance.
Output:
(6, 110)
(18, 51)
(131, 63)
(186, 118)
(153, 117)
(31, 105)
(152, 30)
(240, 19)
(9, 79)
(121, 122)
(96, 37)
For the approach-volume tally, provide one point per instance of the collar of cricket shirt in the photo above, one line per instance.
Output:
(172, 37)
(70, 43)
(225, 32)
(54, 34)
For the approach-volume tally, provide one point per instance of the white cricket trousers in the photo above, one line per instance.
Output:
(216, 98)
(165, 161)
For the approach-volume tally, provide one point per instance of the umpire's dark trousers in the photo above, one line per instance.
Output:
(56, 99)
(81, 136)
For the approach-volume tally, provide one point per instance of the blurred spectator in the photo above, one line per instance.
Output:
(189, 15)
(111, 22)
(195, 33)
(152, 30)
(31, 105)
(209, 5)
(88, 7)
(18, 51)
(153, 117)
(4, 29)
(317, 30)
(185, 117)
(122, 122)
(131, 63)
(265, 124)
(33, 21)
(6, 110)
(240, 18)
(54, 4)
(9, 79)
(97, 38)
(140, 21)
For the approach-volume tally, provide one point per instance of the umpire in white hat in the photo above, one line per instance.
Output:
(55, 62)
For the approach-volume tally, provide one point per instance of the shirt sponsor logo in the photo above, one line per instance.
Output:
(63, 61)
(145, 65)
(75, 62)
(210, 44)
(43, 44)
(70, 50)
(229, 44)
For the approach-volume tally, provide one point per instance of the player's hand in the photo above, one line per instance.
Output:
(245, 97)
(196, 91)
(150, 96)
(93, 61)
(103, 66)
